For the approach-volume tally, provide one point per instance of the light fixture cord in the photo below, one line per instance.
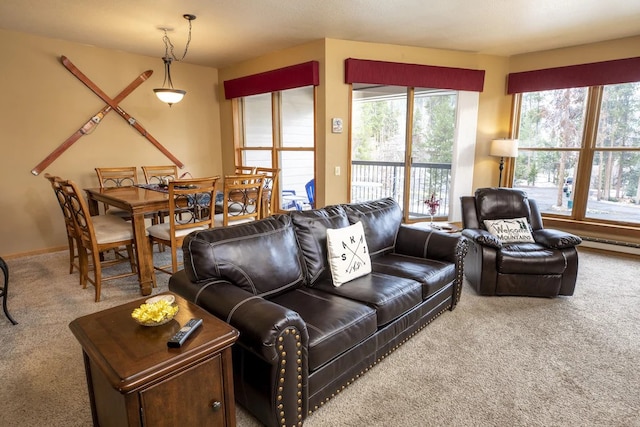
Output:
(168, 46)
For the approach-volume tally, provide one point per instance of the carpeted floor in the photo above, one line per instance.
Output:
(569, 361)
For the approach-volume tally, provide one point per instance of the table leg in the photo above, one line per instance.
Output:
(93, 205)
(144, 254)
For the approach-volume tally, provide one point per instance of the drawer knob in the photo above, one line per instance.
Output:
(216, 406)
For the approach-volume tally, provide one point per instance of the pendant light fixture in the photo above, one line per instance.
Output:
(168, 93)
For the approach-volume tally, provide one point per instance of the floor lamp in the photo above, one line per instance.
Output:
(503, 148)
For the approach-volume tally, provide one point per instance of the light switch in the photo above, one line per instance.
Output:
(336, 126)
(337, 172)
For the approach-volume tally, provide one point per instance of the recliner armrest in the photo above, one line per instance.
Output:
(555, 238)
(259, 321)
(482, 237)
(429, 244)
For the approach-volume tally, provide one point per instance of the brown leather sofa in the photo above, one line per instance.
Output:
(302, 340)
(546, 267)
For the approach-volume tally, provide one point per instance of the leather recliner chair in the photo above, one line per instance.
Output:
(546, 267)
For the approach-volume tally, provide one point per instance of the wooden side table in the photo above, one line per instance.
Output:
(134, 379)
(446, 227)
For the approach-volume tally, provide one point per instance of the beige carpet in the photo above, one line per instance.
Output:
(570, 361)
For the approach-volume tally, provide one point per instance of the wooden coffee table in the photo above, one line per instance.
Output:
(134, 379)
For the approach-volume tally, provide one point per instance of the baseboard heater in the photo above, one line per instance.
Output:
(611, 245)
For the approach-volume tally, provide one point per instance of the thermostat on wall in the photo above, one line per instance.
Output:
(336, 125)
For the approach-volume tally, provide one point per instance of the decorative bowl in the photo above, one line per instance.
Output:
(156, 311)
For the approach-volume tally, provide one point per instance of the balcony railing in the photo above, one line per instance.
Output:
(374, 180)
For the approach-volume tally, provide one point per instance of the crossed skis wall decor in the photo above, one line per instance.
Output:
(112, 104)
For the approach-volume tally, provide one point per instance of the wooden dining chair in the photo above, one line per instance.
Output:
(117, 177)
(160, 174)
(97, 234)
(242, 199)
(191, 208)
(72, 236)
(270, 188)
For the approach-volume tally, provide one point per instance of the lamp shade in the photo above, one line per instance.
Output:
(170, 96)
(504, 148)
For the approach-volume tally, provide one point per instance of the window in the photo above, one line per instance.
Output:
(550, 134)
(614, 187)
(439, 105)
(579, 154)
(380, 166)
(274, 112)
(278, 132)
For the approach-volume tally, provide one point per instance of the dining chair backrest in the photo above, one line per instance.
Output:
(80, 213)
(191, 203)
(117, 177)
(269, 188)
(68, 218)
(245, 170)
(242, 198)
(160, 174)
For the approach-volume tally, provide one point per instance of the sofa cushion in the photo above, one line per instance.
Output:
(530, 258)
(261, 257)
(348, 254)
(432, 274)
(334, 324)
(381, 220)
(390, 296)
(311, 231)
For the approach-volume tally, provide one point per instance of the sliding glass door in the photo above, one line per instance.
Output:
(388, 161)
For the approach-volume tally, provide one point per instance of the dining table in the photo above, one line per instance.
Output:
(138, 201)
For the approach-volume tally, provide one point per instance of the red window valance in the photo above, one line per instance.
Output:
(299, 75)
(412, 75)
(593, 74)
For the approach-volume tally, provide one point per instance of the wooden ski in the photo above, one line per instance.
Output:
(114, 105)
(90, 124)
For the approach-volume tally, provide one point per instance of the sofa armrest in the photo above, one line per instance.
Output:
(438, 245)
(259, 321)
(556, 239)
(482, 237)
(429, 244)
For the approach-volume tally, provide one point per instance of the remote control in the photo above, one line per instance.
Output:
(181, 336)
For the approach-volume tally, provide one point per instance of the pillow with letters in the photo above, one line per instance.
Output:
(348, 253)
(513, 230)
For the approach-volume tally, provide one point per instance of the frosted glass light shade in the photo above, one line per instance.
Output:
(170, 96)
(504, 148)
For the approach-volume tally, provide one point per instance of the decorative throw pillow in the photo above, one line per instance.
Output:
(348, 253)
(510, 230)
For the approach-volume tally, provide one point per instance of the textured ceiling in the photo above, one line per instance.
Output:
(229, 31)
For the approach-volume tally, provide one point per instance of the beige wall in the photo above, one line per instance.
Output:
(595, 52)
(45, 104)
